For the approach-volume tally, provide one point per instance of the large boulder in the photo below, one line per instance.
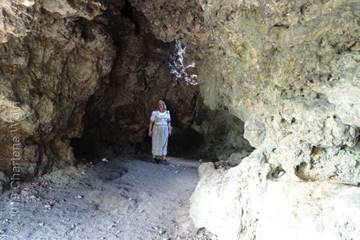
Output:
(290, 70)
(255, 201)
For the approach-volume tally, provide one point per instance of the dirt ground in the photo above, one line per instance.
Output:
(118, 199)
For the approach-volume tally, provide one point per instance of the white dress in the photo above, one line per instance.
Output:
(160, 132)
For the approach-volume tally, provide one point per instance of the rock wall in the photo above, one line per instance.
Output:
(87, 74)
(290, 70)
(53, 57)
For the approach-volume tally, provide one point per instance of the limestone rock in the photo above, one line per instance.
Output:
(318, 210)
(48, 72)
(248, 202)
(290, 70)
(15, 18)
(228, 202)
(86, 9)
(171, 20)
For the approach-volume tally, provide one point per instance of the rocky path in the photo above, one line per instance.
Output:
(120, 199)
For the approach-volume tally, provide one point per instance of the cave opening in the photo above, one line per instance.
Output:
(117, 114)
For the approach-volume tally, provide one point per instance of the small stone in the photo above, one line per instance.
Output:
(112, 226)
(24, 192)
(162, 231)
(47, 206)
(79, 197)
(104, 160)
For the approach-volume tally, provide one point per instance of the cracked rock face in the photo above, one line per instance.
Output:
(290, 70)
(50, 64)
(171, 20)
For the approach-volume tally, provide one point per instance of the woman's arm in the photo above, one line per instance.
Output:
(170, 127)
(150, 128)
(169, 123)
(151, 125)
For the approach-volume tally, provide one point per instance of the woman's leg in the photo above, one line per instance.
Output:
(156, 144)
(164, 143)
(159, 143)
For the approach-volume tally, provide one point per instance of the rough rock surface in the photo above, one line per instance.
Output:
(290, 70)
(50, 65)
(227, 202)
(246, 204)
(171, 20)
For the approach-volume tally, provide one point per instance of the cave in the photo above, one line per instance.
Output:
(117, 114)
(264, 99)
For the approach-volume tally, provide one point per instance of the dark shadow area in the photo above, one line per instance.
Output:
(186, 144)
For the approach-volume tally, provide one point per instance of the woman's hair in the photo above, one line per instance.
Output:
(163, 103)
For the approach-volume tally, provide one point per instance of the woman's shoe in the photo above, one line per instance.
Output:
(157, 161)
(164, 161)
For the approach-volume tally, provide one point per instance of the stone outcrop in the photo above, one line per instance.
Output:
(248, 203)
(290, 70)
(53, 58)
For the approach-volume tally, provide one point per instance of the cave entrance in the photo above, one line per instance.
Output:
(117, 115)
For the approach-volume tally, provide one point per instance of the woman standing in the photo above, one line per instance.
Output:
(159, 130)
